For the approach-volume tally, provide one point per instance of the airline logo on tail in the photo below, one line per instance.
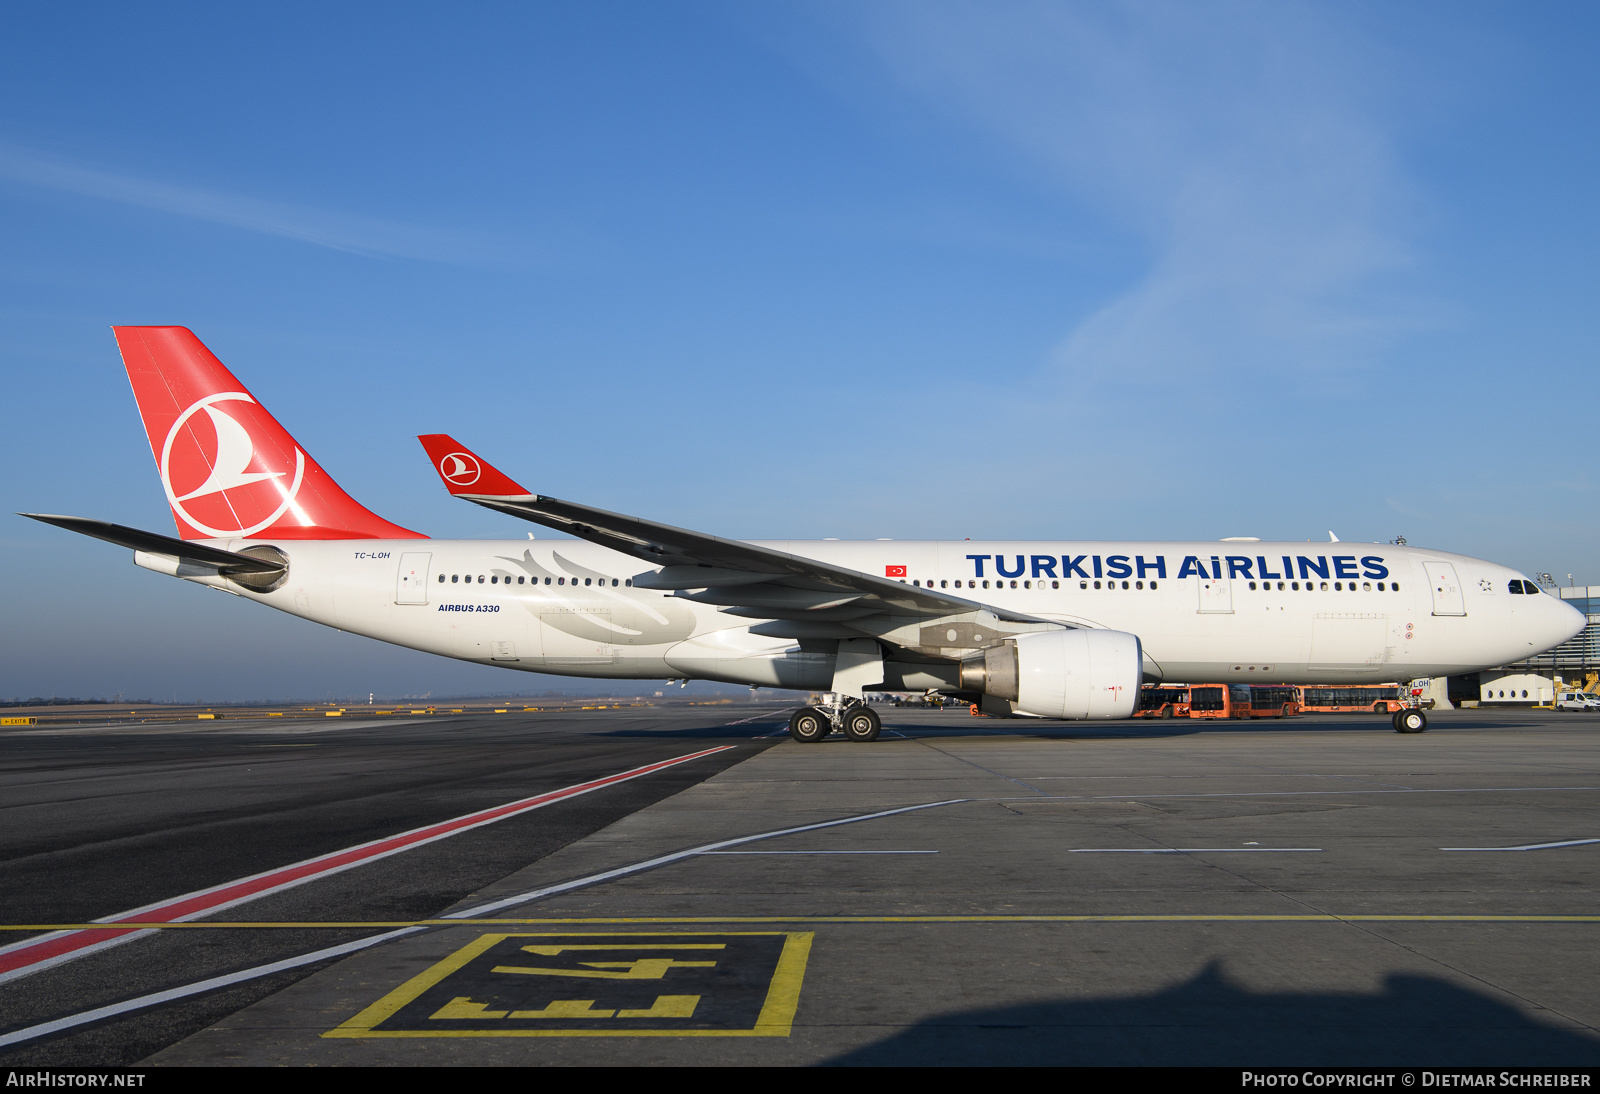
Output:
(460, 468)
(233, 476)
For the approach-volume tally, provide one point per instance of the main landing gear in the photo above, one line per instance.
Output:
(1410, 720)
(856, 720)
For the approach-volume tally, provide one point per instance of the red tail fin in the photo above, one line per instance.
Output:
(229, 469)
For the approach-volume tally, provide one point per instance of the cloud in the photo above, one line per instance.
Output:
(346, 232)
(1237, 142)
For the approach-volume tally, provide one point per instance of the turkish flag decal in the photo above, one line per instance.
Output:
(894, 571)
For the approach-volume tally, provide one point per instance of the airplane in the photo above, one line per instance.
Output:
(1057, 630)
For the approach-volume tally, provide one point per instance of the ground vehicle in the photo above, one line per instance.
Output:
(1162, 702)
(1352, 699)
(1220, 701)
(1274, 701)
(1577, 700)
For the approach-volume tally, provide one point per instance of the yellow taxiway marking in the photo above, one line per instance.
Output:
(774, 1018)
(1195, 917)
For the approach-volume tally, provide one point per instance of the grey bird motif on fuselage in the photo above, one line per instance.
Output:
(603, 614)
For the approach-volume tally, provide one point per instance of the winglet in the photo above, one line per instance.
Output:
(465, 472)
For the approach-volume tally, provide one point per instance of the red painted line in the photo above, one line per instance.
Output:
(31, 954)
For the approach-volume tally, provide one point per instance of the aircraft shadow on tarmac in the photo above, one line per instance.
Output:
(1413, 1021)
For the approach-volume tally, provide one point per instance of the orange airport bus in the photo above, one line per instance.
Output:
(1162, 702)
(1274, 701)
(1352, 699)
(1219, 701)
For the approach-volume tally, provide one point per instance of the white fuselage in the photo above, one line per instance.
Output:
(1267, 612)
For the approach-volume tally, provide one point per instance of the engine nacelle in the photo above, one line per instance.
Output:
(1061, 674)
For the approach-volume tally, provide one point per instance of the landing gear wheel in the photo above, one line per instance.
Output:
(809, 725)
(1410, 721)
(862, 724)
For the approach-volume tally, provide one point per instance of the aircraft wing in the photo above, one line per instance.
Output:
(741, 578)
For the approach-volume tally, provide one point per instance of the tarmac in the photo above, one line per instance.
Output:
(1319, 891)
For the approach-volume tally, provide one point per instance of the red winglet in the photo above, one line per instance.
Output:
(465, 472)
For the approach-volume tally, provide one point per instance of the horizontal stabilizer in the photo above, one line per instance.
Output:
(227, 562)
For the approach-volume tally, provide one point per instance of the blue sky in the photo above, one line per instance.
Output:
(918, 270)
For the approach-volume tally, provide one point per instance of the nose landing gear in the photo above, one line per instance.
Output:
(1410, 720)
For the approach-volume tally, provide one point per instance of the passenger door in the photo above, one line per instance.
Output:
(1216, 595)
(1447, 598)
(411, 583)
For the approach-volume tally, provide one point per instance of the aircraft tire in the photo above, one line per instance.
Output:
(1410, 721)
(862, 724)
(809, 725)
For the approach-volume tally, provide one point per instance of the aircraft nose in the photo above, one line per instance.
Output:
(1572, 622)
(1565, 622)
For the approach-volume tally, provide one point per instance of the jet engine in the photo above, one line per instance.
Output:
(1061, 674)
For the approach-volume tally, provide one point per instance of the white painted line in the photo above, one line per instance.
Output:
(47, 950)
(157, 998)
(770, 717)
(663, 860)
(819, 852)
(1527, 846)
(1281, 793)
(1181, 850)
(44, 1029)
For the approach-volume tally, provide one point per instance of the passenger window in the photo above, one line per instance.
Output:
(1324, 586)
(1380, 586)
(520, 580)
(1366, 586)
(588, 581)
(494, 579)
(1096, 584)
(480, 579)
(1338, 588)
(613, 583)
(1124, 584)
(454, 578)
(1393, 587)
(1140, 584)
(1085, 585)
(1152, 584)
(1252, 586)
(441, 579)
(1055, 584)
(559, 580)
